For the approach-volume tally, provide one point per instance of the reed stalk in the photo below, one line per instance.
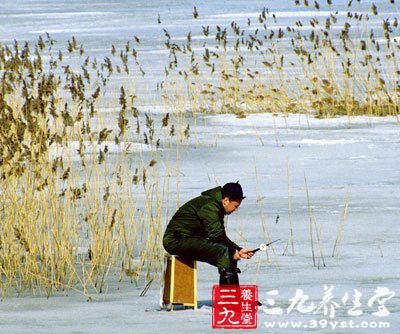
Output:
(291, 238)
(339, 233)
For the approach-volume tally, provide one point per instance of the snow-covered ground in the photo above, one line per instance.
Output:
(332, 159)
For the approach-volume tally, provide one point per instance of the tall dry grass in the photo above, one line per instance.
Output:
(329, 64)
(82, 194)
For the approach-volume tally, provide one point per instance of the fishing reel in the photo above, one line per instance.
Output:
(263, 247)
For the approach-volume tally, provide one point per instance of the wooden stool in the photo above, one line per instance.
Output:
(180, 282)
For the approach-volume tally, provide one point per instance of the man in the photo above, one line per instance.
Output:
(197, 231)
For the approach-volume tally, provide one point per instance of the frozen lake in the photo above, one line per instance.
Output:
(295, 167)
(337, 159)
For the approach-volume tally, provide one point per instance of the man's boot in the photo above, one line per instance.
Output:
(229, 276)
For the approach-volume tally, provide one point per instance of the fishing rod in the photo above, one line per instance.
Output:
(263, 247)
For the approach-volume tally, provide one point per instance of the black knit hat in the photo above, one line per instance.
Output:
(233, 191)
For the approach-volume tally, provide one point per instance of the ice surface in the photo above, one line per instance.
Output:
(257, 150)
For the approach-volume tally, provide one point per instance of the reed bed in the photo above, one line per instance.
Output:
(82, 194)
(330, 64)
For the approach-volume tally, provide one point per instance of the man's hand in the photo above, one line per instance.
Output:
(245, 253)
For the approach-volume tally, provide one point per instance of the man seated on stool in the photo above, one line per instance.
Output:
(197, 231)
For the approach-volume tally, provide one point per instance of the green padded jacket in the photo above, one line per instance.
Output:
(203, 217)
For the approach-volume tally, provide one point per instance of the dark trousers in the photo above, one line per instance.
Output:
(201, 249)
